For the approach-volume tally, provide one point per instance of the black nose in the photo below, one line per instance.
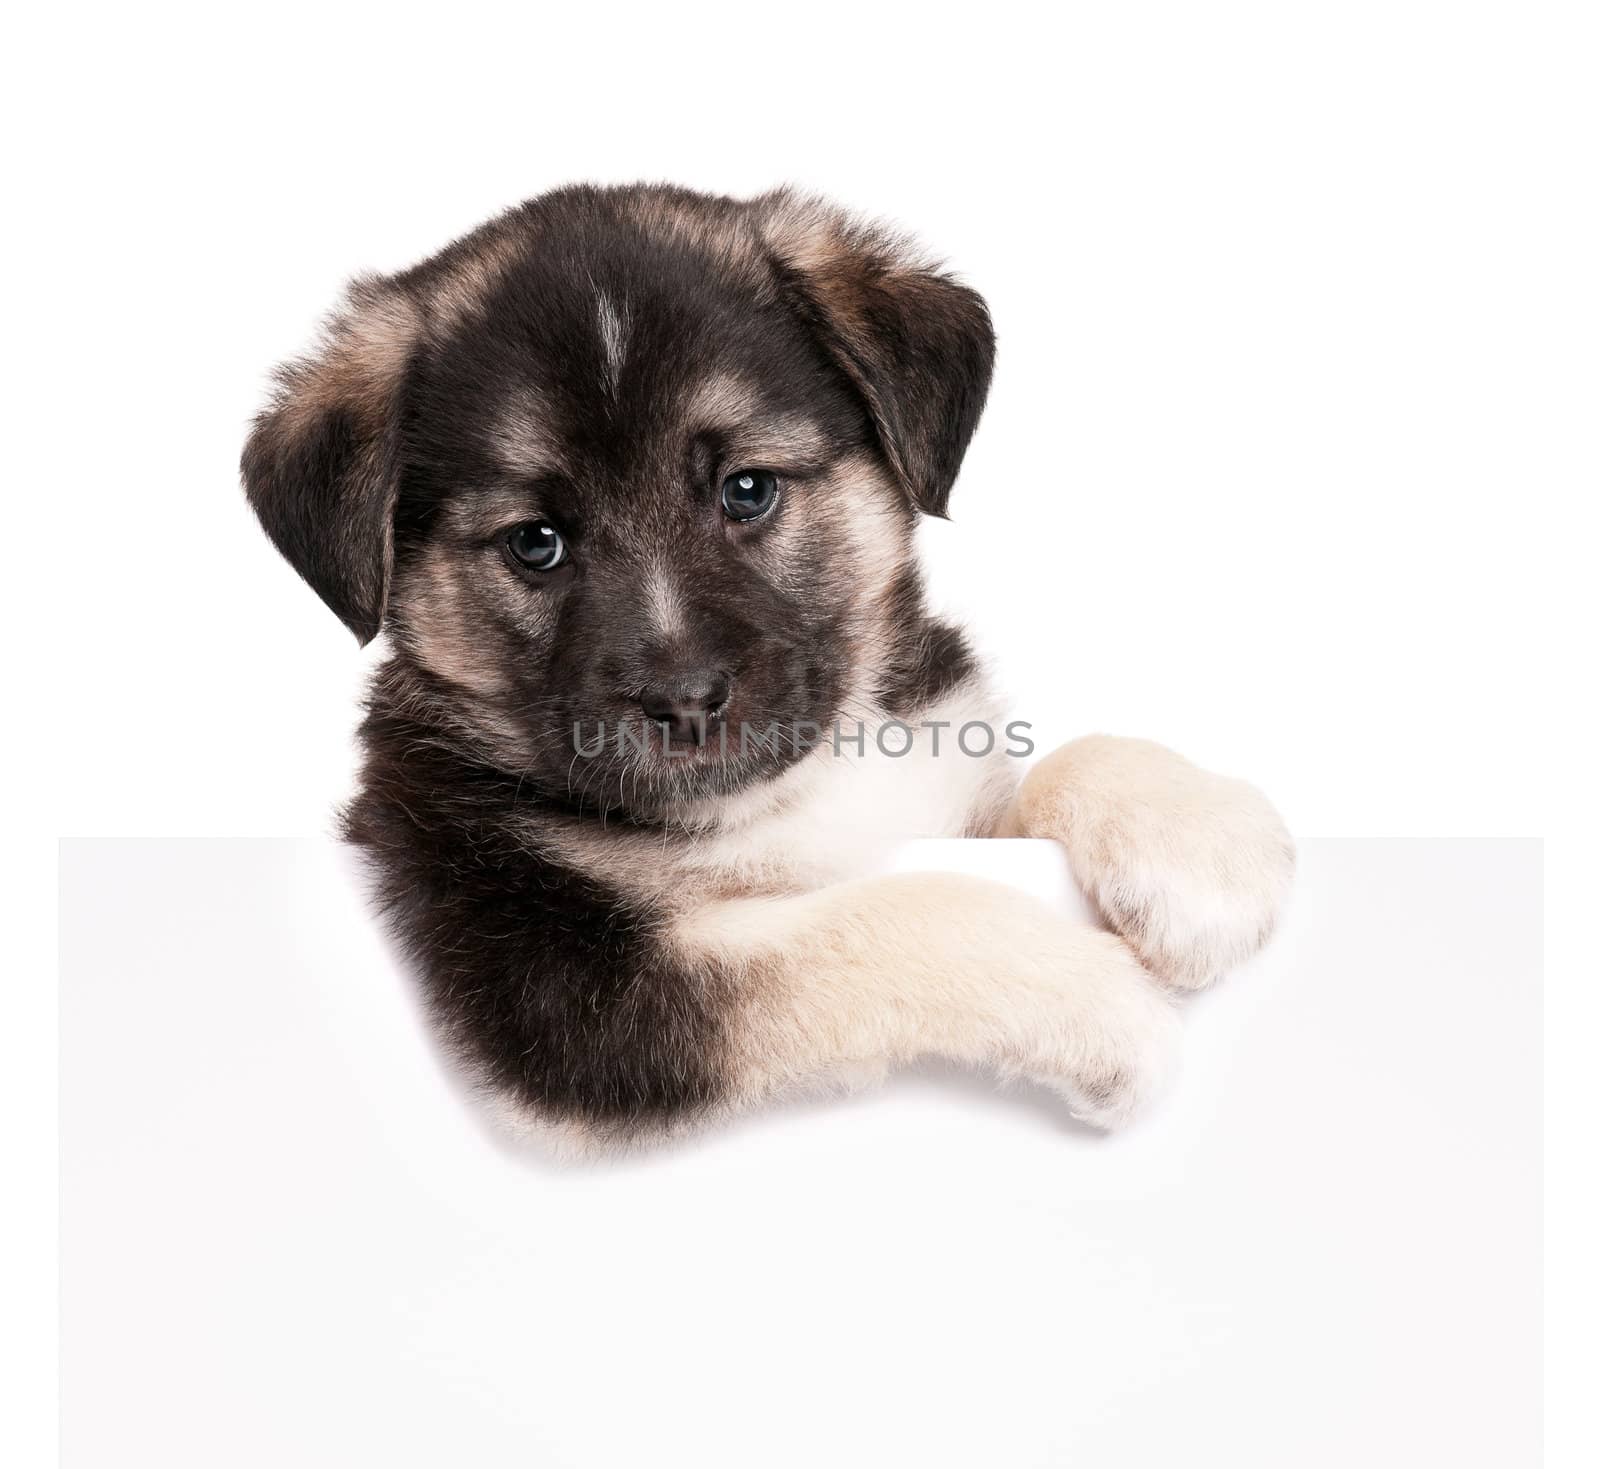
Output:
(688, 704)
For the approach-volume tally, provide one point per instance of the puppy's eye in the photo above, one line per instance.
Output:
(537, 545)
(749, 493)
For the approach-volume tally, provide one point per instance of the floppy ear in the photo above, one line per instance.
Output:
(918, 346)
(321, 467)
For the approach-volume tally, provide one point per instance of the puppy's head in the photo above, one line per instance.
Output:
(632, 474)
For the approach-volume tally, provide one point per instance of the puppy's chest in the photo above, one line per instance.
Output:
(842, 811)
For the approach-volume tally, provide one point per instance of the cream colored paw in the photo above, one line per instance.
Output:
(1111, 1047)
(1193, 869)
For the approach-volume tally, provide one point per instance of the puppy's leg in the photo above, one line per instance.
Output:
(869, 975)
(1191, 868)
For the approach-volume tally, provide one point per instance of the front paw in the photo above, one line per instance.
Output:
(1107, 1041)
(1192, 869)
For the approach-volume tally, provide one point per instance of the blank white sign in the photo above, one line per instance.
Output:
(288, 1239)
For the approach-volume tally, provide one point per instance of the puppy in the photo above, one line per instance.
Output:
(630, 477)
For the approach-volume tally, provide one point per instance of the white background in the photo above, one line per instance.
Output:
(1289, 460)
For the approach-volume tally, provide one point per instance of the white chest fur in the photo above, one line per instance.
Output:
(944, 772)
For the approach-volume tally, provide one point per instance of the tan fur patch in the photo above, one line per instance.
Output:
(364, 349)
(523, 436)
(722, 399)
(438, 625)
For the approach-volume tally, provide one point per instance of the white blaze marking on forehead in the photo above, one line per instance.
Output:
(613, 324)
(663, 603)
